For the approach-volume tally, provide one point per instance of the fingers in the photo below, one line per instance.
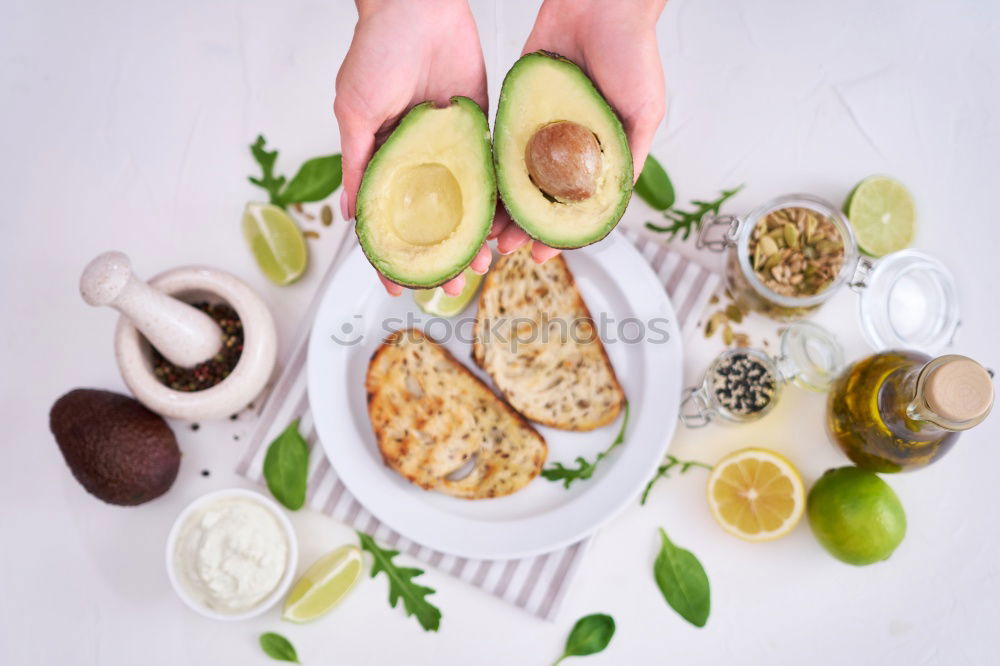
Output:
(482, 261)
(391, 287)
(642, 128)
(357, 143)
(511, 238)
(501, 220)
(454, 286)
(542, 253)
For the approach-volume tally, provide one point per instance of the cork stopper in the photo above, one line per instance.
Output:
(958, 389)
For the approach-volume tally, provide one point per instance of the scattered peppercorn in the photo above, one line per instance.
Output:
(205, 472)
(742, 384)
(233, 417)
(195, 426)
(208, 373)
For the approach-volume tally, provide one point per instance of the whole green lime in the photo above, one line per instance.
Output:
(856, 516)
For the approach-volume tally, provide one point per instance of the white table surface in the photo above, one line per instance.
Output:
(126, 126)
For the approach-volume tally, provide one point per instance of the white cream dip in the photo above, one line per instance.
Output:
(231, 554)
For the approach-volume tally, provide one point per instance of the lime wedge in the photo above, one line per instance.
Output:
(323, 585)
(436, 302)
(883, 215)
(276, 242)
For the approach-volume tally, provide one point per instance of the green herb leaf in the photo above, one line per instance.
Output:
(268, 180)
(663, 472)
(684, 222)
(654, 185)
(401, 585)
(683, 582)
(286, 467)
(584, 469)
(278, 647)
(590, 635)
(316, 180)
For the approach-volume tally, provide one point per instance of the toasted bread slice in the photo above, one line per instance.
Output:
(537, 340)
(434, 419)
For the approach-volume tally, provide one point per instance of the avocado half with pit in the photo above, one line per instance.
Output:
(428, 195)
(564, 168)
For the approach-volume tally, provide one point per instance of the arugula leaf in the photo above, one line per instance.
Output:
(654, 186)
(684, 222)
(278, 647)
(401, 585)
(590, 635)
(286, 467)
(683, 582)
(316, 180)
(584, 469)
(663, 472)
(268, 180)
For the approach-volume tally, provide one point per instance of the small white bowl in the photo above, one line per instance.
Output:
(290, 565)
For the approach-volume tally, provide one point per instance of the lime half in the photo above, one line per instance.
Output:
(436, 302)
(276, 242)
(323, 585)
(883, 215)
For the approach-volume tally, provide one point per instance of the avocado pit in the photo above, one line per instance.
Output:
(425, 203)
(563, 160)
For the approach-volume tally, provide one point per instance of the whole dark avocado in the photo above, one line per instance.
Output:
(117, 449)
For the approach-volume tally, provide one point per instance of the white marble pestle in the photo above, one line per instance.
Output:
(154, 314)
(184, 335)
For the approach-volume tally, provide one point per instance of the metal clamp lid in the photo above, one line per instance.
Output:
(709, 224)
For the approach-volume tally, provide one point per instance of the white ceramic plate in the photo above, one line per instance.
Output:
(637, 322)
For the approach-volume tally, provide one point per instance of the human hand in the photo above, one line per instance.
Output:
(404, 53)
(615, 44)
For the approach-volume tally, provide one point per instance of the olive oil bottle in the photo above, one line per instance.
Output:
(902, 410)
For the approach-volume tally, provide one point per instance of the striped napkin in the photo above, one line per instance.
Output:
(537, 584)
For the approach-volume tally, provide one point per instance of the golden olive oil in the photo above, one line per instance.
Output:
(874, 414)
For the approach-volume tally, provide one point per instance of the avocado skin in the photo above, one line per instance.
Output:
(118, 450)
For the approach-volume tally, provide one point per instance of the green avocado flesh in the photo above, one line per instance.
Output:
(539, 90)
(428, 195)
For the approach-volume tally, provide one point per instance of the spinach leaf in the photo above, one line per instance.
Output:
(278, 647)
(401, 584)
(316, 180)
(286, 467)
(590, 635)
(654, 185)
(683, 582)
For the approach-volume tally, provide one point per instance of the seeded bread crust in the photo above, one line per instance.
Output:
(536, 338)
(432, 416)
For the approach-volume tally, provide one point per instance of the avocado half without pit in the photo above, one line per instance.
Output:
(563, 165)
(428, 195)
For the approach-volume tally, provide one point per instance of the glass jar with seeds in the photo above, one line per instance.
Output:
(792, 254)
(787, 257)
(742, 385)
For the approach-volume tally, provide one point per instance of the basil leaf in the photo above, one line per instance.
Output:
(278, 647)
(286, 467)
(683, 582)
(654, 185)
(315, 181)
(590, 635)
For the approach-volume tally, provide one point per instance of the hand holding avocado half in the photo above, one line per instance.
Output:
(425, 201)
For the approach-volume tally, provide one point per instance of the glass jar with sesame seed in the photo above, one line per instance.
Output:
(742, 385)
